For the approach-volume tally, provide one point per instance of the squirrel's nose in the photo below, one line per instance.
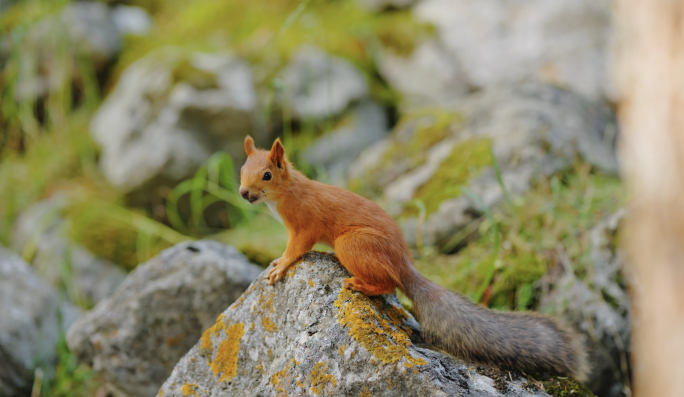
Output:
(244, 193)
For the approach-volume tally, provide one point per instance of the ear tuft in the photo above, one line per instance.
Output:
(249, 145)
(277, 154)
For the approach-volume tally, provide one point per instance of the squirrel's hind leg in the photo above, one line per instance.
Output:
(363, 253)
(354, 284)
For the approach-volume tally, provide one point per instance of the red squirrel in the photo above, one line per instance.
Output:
(370, 245)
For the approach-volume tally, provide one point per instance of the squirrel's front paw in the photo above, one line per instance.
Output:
(275, 262)
(274, 275)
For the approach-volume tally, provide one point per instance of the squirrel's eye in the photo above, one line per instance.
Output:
(267, 176)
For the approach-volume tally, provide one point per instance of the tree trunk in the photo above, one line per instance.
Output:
(650, 79)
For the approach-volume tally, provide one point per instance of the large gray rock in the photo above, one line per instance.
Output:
(308, 336)
(40, 233)
(135, 337)
(428, 76)
(531, 129)
(598, 307)
(365, 125)
(31, 321)
(319, 85)
(168, 113)
(562, 42)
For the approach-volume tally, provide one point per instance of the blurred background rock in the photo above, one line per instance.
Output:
(485, 128)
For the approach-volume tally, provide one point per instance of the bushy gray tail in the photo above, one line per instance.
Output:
(478, 335)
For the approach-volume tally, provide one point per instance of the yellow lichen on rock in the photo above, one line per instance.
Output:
(206, 345)
(396, 314)
(385, 339)
(264, 304)
(188, 389)
(226, 359)
(277, 379)
(319, 377)
(311, 283)
(268, 324)
(365, 393)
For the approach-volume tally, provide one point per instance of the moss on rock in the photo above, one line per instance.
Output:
(407, 148)
(464, 163)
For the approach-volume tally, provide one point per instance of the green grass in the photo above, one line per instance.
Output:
(71, 379)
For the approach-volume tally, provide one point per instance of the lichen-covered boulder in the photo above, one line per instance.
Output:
(32, 318)
(308, 336)
(136, 336)
(168, 113)
(439, 166)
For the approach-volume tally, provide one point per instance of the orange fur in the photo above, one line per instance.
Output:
(371, 246)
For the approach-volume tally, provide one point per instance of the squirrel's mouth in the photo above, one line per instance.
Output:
(251, 198)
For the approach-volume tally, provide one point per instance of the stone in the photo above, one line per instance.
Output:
(91, 27)
(33, 317)
(135, 337)
(428, 76)
(597, 307)
(40, 233)
(498, 41)
(168, 113)
(131, 20)
(335, 151)
(531, 129)
(319, 85)
(308, 336)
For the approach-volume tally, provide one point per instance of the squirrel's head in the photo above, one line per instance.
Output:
(264, 173)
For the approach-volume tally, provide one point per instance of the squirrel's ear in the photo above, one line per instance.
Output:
(277, 154)
(249, 145)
